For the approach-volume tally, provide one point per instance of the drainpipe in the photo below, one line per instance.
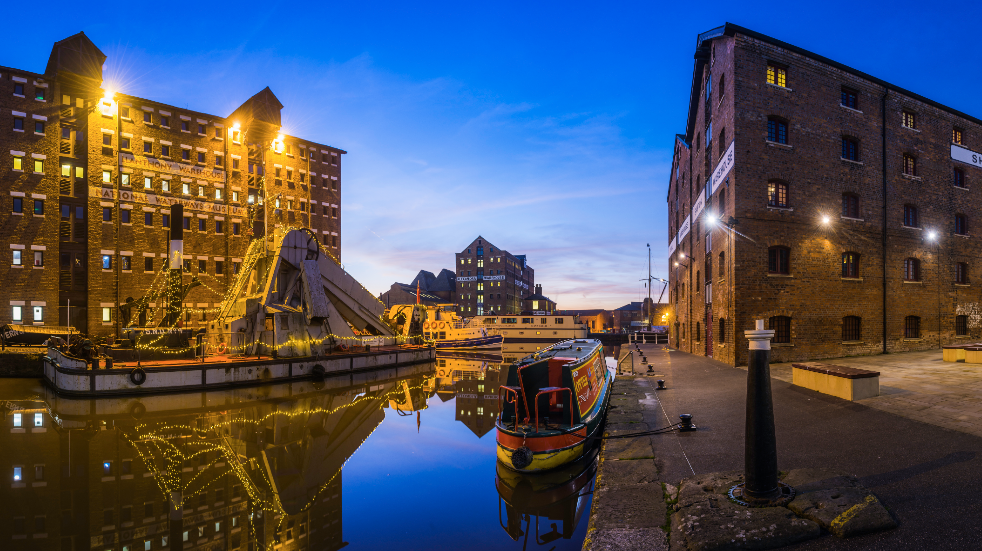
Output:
(883, 236)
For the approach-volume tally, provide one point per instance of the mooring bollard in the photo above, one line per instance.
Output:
(761, 487)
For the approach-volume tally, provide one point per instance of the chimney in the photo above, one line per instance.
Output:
(538, 289)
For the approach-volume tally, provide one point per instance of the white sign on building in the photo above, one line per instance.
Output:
(684, 230)
(723, 167)
(959, 153)
(697, 208)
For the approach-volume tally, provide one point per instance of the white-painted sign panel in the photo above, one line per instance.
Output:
(697, 208)
(684, 230)
(671, 247)
(959, 153)
(723, 167)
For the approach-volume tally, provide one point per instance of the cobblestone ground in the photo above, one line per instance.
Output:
(919, 386)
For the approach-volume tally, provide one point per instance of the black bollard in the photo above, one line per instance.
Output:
(761, 486)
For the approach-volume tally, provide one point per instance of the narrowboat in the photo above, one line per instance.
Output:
(552, 406)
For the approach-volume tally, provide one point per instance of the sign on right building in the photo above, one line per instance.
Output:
(848, 223)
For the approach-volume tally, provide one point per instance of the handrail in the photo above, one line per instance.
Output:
(501, 410)
(525, 399)
(551, 391)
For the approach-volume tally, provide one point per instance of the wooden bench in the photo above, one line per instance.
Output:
(840, 381)
(958, 352)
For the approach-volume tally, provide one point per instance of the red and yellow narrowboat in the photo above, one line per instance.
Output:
(554, 400)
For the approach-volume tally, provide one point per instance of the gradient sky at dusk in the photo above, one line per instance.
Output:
(546, 128)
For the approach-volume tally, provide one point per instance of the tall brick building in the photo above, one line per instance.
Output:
(835, 205)
(89, 178)
(491, 280)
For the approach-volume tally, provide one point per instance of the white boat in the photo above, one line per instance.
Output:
(445, 328)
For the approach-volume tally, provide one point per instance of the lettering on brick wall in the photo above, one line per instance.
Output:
(138, 161)
(959, 153)
(160, 200)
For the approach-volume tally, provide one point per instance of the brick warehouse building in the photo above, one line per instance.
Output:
(88, 182)
(842, 207)
(495, 288)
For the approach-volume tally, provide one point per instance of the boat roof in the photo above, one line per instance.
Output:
(575, 349)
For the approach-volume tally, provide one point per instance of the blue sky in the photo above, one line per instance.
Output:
(546, 128)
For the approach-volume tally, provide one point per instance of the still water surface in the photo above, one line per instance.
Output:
(395, 459)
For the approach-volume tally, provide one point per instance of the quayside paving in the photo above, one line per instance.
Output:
(924, 474)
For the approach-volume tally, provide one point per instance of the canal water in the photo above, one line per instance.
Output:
(395, 459)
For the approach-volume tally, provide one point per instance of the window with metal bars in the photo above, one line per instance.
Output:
(777, 130)
(852, 328)
(910, 216)
(850, 264)
(956, 135)
(850, 148)
(781, 325)
(961, 273)
(909, 119)
(912, 269)
(910, 165)
(961, 325)
(912, 327)
(850, 205)
(779, 260)
(958, 178)
(777, 194)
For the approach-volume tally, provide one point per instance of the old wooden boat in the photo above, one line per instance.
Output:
(554, 402)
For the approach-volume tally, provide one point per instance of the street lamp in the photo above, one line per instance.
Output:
(825, 220)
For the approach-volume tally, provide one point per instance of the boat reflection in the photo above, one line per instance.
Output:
(256, 468)
(558, 497)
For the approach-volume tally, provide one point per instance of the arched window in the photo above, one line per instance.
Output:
(777, 194)
(850, 264)
(912, 327)
(781, 325)
(779, 260)
(850, 205)
(777, 130)
(910, 216)
(852, 328)
(721, 330)
(722, 265)
(961, 273)
(912, 269)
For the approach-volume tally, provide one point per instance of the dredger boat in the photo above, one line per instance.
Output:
(554, 400)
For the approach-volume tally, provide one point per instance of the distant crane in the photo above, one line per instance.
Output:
(648, 281)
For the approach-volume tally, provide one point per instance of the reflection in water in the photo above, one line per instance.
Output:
(261, 468)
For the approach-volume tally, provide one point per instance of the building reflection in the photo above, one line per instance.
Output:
(256, 468)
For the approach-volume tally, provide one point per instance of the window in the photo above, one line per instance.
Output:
(910, 216)
(852, 328)
(148, 148)
(721, 328)
(38, 166)
(721, 87)
(18, 475)
(850, 264)
(912, 269)
(39, 93)
(107, 214)
(961, 224)
(777, 130)
(958, 178)
(777, 75)
(165, 151)
(124, 216)
(39, 258)
(18, 259)
(202, 266)
(910, 165)
(850, 205)
(107, 262)
(18, 123)
(107, 176)
(185, 154)
(698, 332)
(39, 127)
(961, 325)
(185, 126)
(201, 224)
(18, 163)
(126, 263)
(107, 314)
(956, 135)
(201, 157)
(147, 264)
(18, 420)
(781, 325)
(849, 98)
(779, 260)
(17, 313)
(909, 119)
(18, 204)
(219, 267)
(777, 194)
(187, 223)
(165, 121)
(219, 226)
(124, 143)
(39, 207)
(912, 327)
(850, 149)
(165, 220)
(722, 265)
(961, 273)
(235, 228)
(201, 129)
(107, 139)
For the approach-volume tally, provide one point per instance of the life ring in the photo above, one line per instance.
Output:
(443, 373)
(442, 324)
(138, 376)
(426, 325)
(137, 410)
(221, 348)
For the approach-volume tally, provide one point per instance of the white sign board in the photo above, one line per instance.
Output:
(671, 247)
(684, 230)
(959, 153)
(723, 168)
(697, 208)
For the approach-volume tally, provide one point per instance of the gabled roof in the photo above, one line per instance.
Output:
(263, 107)
(446, 281)
(76, 54)
(631, 307)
